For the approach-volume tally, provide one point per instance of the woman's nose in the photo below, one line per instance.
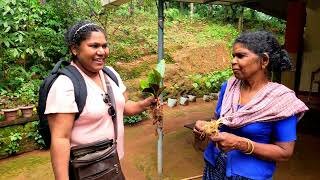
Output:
(234, 60)
(101, 51)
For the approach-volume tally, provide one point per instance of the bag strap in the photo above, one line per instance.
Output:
(112, 109)
(111, 74)
(79, 86)
(57, 67)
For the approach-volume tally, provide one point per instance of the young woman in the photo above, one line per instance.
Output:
(259, 117)
(88, 46)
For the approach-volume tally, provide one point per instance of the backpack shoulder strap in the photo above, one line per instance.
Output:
(57, 67)
(111, 74)
(46, 85)
(80, 88)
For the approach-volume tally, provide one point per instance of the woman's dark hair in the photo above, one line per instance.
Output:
(80, 32)
(261, 42)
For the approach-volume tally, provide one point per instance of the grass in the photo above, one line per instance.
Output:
(23, 166)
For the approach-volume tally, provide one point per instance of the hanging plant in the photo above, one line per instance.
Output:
(154, 85)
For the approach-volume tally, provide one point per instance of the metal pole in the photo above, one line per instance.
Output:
(160, 57)
(160, 29)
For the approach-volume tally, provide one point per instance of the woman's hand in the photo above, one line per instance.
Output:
(227, 141)
(198, 129)
(149, 101)
(132, 108)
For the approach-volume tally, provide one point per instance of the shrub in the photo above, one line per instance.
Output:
(130, 120)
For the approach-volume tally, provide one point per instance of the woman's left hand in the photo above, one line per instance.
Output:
(226, 141)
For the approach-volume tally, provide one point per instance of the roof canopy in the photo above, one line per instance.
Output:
(113, 2)
(277, 8)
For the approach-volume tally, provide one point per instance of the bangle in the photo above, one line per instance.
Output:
(252, 147)
(248, 145)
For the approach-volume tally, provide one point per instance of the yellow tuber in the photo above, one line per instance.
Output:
(212, 127)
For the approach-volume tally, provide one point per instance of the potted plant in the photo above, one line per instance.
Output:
(172, 97)
(183, 98)
(214, 96)
(192, 95)
(27, 98)
(10, 110)
(206, 98)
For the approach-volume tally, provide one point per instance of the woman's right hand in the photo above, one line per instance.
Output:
(198, 128)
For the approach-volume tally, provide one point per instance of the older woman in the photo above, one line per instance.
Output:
(259, 117)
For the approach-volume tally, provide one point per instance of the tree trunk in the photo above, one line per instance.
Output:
(140, 4)
(181, 7)
(240, 21)
(167, 4)
(191, 9)
(131, 8)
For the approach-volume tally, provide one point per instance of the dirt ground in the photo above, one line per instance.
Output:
(180, 160)
(189, 60)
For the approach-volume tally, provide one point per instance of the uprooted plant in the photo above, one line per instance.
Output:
(153, 85)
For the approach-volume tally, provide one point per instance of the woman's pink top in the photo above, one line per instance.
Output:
(94, 123)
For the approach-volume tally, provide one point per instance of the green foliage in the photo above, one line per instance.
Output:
(210, 82)
(173, 91)
(1, 116)
(224, 33)
(135, 119)
(35, 135)
(28, 93)
(32, 35)
(13, 146)
(18, 138)
(154, 82)
(172, 14)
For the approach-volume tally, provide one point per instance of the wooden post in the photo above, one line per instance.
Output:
(240, 21)
(191, 9)
(181, 7)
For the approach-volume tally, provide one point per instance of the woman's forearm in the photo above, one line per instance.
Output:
(133, 108)
(60, 154)
(273, 152)
(270, 152)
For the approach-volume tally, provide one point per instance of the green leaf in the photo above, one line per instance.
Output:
(30, 51)
(6, 10)
(23, 55)
(7, 29)
(208, 84)
(195, 85)
(40, 52)
(154, 77)
(20, 37)
(5, 24)
(15, 53)
(6, 43)
(144, 84)
(161, 67)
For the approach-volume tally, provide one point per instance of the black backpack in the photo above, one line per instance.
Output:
(80, 93)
